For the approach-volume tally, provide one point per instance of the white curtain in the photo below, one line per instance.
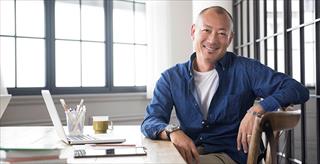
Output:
(169, 41)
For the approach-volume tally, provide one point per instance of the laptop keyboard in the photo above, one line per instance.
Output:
(81, 138)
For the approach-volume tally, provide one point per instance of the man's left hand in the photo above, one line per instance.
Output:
(246, 126)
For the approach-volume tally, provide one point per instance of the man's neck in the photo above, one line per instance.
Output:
(202, 66)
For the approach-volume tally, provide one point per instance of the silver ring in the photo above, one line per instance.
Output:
(249, 135)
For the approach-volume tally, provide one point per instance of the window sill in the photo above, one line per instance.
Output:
(75, 98)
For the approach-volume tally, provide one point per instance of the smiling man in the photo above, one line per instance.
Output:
(214, 93)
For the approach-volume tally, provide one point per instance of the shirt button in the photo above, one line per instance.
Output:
(201, 138)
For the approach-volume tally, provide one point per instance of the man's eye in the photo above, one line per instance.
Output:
(206, 30)
(222, 34)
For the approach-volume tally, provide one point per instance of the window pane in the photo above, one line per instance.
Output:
(280, 17)
(141, 66)
(261, 15)
(140, 23)
(296, 54)
(123, 65)
(67, 19)
(123, 22)
(7, 61)
(239, 43)
(6, 17)
(310, 55)
(29, 52)
(251, 51)
(251, 22)
(92, 20)
(280, 53)
(245, 51)
(270, 52)
(295, 13)
(244, 23)
(30, 18)
(309, 6)
(270, 17)
(262, 52)
(68, 64)
(93, 64)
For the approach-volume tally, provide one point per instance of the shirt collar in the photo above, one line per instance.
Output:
(223, 62)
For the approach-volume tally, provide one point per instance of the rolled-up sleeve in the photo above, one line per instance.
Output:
(158, 112)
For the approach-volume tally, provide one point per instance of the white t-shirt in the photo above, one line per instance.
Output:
(206, 84)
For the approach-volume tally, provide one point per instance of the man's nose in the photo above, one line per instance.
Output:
(212, 37)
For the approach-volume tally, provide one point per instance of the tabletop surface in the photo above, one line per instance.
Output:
(46, 137)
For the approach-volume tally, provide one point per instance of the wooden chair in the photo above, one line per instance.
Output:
(271, 123)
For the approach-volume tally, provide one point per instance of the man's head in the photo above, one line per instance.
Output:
(212, 34)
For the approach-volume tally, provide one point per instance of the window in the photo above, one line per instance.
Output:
(74, 46)
(79, 43)
(286, 38)
(22, 43)
(129, 44)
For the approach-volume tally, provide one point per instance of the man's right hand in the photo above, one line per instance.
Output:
(185, 146)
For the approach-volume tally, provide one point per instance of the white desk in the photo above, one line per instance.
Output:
(157, 151)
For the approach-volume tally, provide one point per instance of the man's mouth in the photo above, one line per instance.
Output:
(210, 49)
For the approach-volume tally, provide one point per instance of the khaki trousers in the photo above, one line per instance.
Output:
(214, 158)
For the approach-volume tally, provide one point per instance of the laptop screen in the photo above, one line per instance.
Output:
(54, 114)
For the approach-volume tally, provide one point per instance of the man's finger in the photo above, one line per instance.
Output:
(189, 156)
(182, 153)
(239, 140)
(244, 142)
(248, 139)
(195, 154)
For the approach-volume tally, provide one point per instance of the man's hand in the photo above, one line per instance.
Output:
(185, 146)
(246, 126)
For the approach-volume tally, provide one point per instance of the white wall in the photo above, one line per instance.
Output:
(127, 108)
(181, 21)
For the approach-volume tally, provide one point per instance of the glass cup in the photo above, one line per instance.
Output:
(75, 121)
(101, 124)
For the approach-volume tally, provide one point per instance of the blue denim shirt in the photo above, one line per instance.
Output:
(241, 81)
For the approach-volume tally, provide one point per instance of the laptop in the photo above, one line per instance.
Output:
(74, 140)
(4, 101)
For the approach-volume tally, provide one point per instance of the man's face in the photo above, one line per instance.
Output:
(211, 36)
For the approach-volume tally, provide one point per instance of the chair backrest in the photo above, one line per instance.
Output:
(271, 123)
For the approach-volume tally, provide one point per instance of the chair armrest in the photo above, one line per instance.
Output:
(281, 120)
(271, 122)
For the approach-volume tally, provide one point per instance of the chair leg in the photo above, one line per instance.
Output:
(271, 157)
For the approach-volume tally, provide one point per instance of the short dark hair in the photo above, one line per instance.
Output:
(219, 10)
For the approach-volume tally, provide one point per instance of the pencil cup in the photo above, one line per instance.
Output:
(75, 120)
(101, 124)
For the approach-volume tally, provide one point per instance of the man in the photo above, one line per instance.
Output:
(213, 95)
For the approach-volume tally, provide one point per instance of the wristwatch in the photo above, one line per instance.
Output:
(171, 128)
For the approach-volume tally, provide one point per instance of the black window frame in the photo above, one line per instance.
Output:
(49, 13)
(289, 155)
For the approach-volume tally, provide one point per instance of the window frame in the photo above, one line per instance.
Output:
(260, 49)
(49, 13)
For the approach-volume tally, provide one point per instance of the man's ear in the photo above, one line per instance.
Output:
(193, 30)
(230, 38)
